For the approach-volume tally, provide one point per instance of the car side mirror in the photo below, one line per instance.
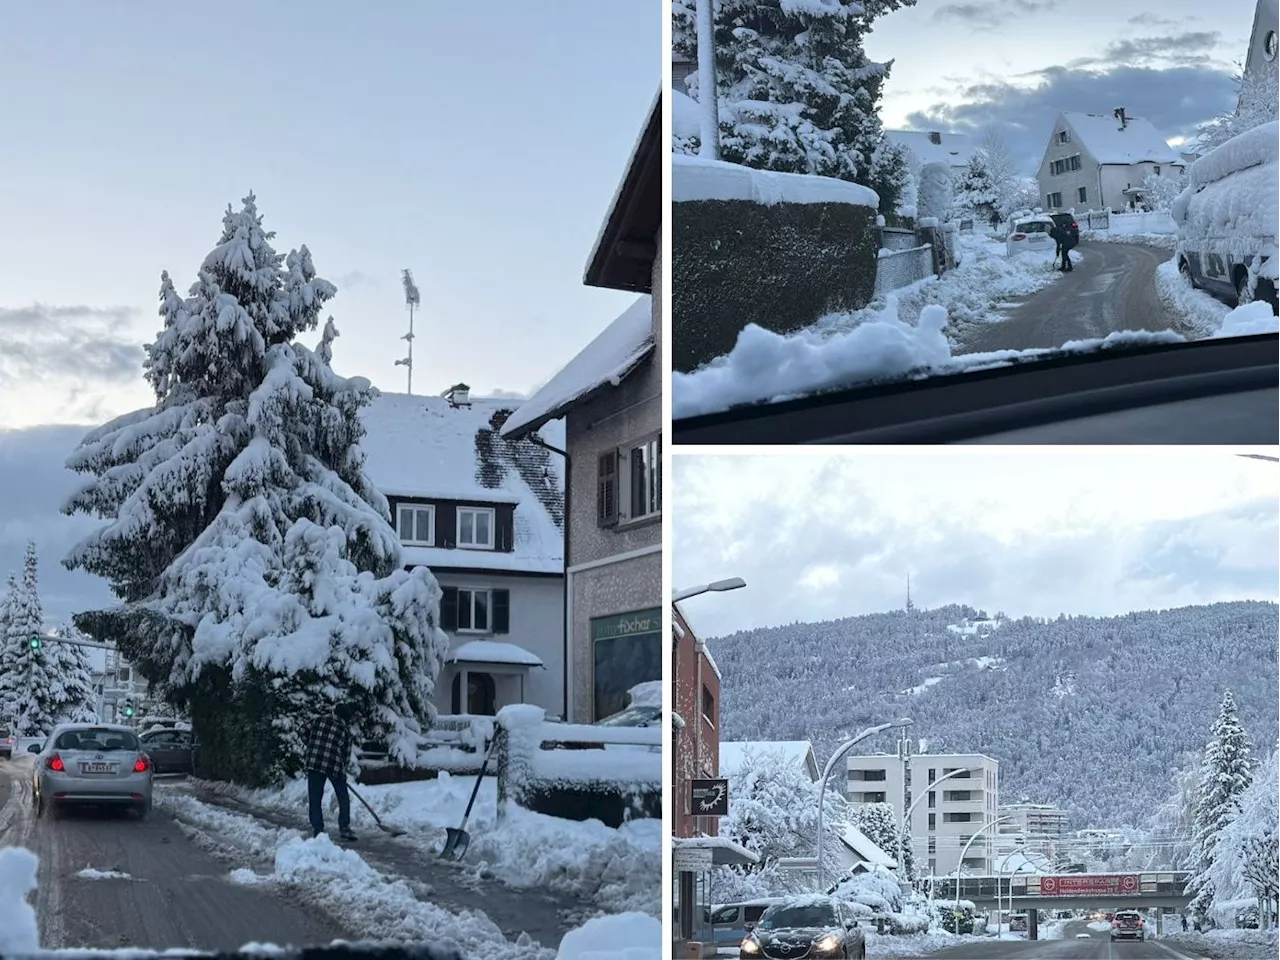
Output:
(34, 748)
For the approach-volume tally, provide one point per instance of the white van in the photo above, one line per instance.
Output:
(1228, 218)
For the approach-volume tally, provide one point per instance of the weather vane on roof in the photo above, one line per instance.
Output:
(411, 299)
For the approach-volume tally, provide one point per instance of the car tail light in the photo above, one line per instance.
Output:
(140, 765)
(56, 764)
(1018, 236)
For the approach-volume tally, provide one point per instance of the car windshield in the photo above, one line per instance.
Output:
(632, 717)
(798, 915)
(96, 739)
(925, 253)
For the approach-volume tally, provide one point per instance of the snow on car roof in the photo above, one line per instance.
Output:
(613, 354)
(1108, 142)
(1253, 148)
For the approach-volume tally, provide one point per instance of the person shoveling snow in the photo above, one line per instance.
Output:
(328, 756)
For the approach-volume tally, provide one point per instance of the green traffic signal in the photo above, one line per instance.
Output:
(36, 643)
(128, 709)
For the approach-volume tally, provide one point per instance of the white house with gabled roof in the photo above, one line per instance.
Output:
(1096, 162)
(934, 146)
(486, 515)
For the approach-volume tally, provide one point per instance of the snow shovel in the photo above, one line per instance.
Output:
(457, 839)
(390, 831)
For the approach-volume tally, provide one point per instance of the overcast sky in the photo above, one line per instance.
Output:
(822, 536)
(964, 66)
(478, 144)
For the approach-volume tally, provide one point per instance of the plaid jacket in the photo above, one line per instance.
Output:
(329, 746)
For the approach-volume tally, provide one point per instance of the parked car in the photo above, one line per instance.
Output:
(171, 750)
(1128, 925)
(731, 922)
(1228, 218)
(813, 926)
(1029, 233)
(100, 764)
(8, 743)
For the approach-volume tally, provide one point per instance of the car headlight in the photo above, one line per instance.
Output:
(828, 944)
(749, 945)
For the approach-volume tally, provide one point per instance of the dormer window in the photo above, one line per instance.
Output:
(475, 528)
(416, 524)
(1064, 136)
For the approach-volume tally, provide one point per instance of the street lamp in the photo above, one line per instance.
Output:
(965, 849)
(720, 586)
(843, 749)
(905, 822)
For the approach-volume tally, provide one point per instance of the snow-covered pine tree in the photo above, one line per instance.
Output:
(1225, 773)
(934, 199)
(1246, 857)
(891, 177)
(1159, 192)
(36, 685)
(878, 824)
(77, 703)
(797, 90)
(1002, 168)
(975, 190)
(8, 657)
(259, 575)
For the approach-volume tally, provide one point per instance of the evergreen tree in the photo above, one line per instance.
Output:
(77, 702)
(935, 192)
(891, 177)
(1225, 773)
(35, 687)
(259, 575)
(9, 658)
(975, 189)
(797, 90)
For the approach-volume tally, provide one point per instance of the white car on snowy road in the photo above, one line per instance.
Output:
(1030, 233)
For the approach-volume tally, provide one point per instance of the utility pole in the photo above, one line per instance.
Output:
(709, 133)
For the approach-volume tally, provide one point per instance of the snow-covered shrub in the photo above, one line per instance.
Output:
(259, 575)
(1160, 192)
(934, 198)
(519, 733)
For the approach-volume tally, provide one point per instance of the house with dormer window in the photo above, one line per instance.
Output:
(486, 515)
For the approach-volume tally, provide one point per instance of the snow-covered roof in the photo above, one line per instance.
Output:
(423, 447)
(865, 847)
(493, 651)
(733, 754)
(603, 362)
(706, 650)
(697, 178)
(1108, 142)
(724, 851)
(955, 149)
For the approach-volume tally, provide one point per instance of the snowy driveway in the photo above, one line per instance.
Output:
(1111, 288)
(109, 881)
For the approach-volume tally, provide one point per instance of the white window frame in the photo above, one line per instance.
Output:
(431, 523)
(624, 479)
(471, 594)
(493, 524)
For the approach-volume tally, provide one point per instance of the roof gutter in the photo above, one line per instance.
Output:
(536, 439)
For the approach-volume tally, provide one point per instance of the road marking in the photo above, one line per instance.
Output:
(1172, 952)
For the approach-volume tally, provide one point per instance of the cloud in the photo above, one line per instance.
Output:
(1023, 108)
(34, 483)
(1151, 20)
(989, 14)
(86, 345)
(1184, 49)
(354, 278)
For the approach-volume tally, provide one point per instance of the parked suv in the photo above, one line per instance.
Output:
(1128, 925)
(1067, 221)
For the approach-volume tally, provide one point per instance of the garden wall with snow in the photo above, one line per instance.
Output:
(778, 250)
(575, 771)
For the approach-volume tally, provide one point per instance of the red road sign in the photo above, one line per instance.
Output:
(1090, 884)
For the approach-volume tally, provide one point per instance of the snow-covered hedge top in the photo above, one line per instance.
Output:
(695, 178)
(1251, 148)
(685, 119)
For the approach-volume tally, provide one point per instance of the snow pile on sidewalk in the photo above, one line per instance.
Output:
(1227, 944)
(18, 932)
(613, 870)
(1203, 315)
(911, 945)
(623, 936)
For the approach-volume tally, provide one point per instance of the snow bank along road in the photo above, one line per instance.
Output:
(1097, 947)
(1111, 288)
(173, 895)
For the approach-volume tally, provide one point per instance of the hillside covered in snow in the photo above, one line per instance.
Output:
(1087, 712)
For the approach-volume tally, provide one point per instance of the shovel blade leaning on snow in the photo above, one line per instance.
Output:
(455, 844)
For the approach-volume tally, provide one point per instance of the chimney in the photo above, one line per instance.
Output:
(1119, 115)
(459, 395)
(935, 138)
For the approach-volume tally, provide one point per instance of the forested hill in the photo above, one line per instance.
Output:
(1091, 713)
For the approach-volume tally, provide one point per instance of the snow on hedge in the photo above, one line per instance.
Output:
(696, 178)
(624, 936)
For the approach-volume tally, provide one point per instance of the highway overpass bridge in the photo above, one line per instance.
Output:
(1071, 891)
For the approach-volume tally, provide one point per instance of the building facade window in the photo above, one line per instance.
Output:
(708, 706)
(1083, 194)
(1064, 136)
(1054, 199)
(475, 610)
(626, 650)
(933, 821)
(933, 800)
(475, 528)
(416, 524)
(629, 482)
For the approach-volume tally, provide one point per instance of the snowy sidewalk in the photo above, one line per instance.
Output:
(541, 915)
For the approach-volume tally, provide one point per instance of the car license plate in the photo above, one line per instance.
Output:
(97, 768)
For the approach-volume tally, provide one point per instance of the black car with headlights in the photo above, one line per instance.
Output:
(805, 928)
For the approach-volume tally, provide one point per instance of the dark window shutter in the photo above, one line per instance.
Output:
(607, 490)
(449, 609)
(502, 611)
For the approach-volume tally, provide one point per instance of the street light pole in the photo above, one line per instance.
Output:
(843, 749)
(719, 586)
(709, 127)
(965, 849)
(905, 823)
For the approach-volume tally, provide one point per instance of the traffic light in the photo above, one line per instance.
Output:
(128, 708)
(36, 642)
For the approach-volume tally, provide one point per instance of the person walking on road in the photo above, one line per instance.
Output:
(328, 754)
(1184, 923)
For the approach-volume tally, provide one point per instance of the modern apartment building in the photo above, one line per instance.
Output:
(1037, 820)
(945, 817)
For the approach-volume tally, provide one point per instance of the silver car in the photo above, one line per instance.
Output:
(92, 764)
